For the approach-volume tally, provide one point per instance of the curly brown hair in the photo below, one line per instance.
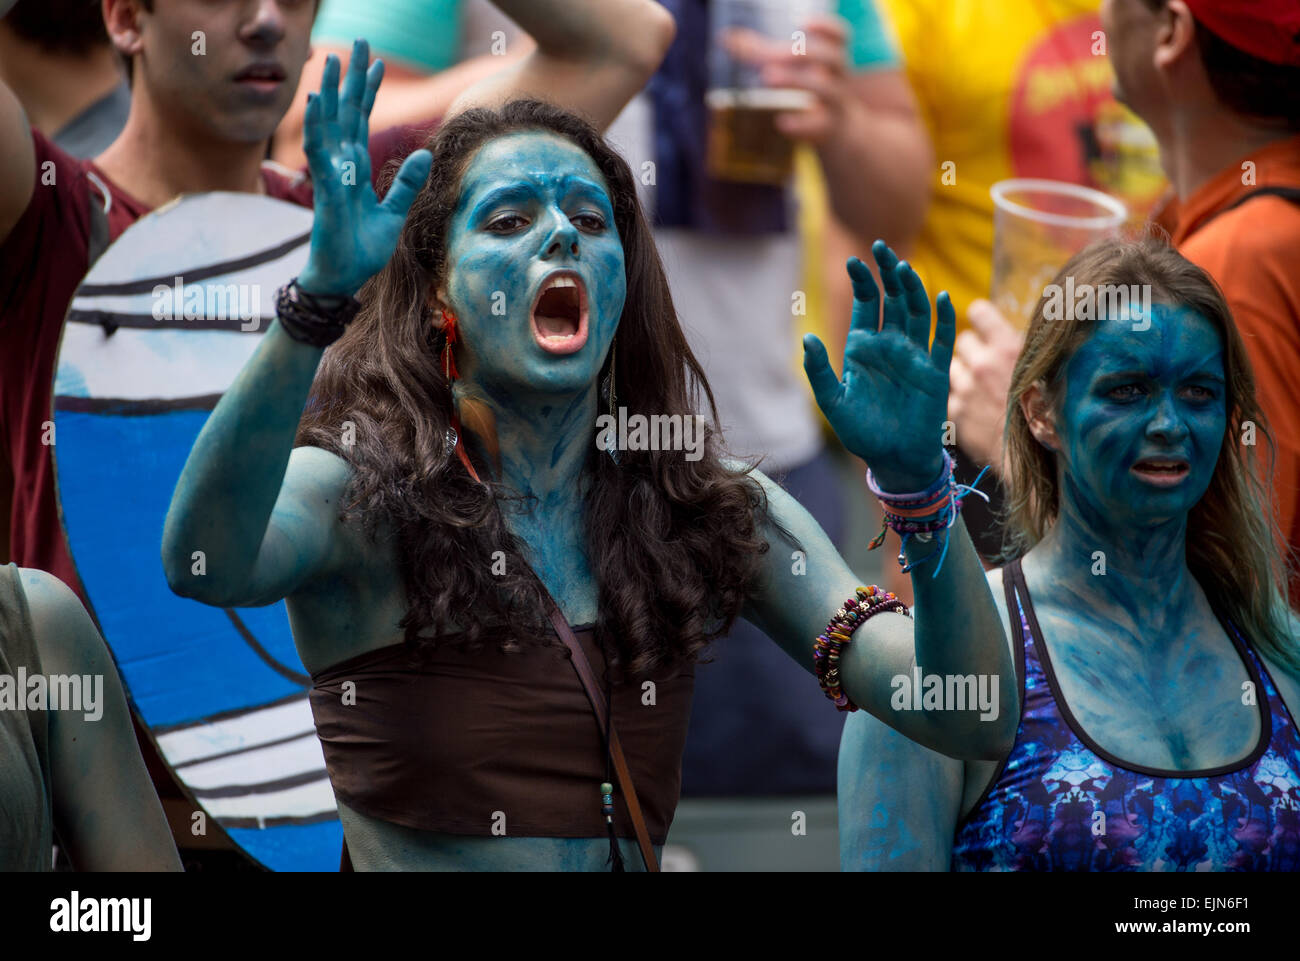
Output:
(674, 544)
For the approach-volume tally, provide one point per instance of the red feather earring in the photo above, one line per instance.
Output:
(448, 355)
(449, 368)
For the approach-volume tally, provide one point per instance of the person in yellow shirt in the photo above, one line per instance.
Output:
(1009, 88)
(1012, 88)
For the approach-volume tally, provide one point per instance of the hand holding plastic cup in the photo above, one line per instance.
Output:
(1037, 226)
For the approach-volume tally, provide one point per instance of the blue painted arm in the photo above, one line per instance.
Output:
(105, 807)
(252, 520)
(889, 409)
(898, 803)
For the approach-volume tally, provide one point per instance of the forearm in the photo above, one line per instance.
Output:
(409, 102)
(629, 31)
(959, 633)
(898, 802)
(888, 150)
(403, 101)
(228, 489)
(17, 161)
(592, 56)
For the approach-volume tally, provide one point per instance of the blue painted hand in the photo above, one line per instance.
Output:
(890, 405)
(354, 234)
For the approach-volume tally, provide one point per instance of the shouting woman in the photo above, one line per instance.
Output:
(448, 509)
(1156, 654)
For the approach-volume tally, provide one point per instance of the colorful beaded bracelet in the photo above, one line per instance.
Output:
(868, 602)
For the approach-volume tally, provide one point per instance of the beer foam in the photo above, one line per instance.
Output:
(758, 98)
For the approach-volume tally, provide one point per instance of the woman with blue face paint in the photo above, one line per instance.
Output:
(505, 440)
(1157, 657)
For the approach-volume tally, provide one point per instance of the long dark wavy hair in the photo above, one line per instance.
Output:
(674, 544)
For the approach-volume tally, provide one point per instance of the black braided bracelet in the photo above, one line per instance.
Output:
(316, 319)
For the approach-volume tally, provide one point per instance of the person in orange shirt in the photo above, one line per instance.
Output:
(1218, 81)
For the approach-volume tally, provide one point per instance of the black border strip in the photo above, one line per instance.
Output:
(243, 750)
(288, 673)
(147, 285)
(132, 407)
(263, 787)
(111, 320)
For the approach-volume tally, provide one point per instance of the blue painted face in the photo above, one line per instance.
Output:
(535, 275)
(1143, 417)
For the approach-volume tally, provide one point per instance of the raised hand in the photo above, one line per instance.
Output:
(354, 235)
(890, 406)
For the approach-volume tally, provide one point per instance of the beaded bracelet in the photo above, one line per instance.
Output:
(922, 514)
(316, 319)
(868, 602)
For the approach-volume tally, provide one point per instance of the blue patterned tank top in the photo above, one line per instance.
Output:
(1061, 803)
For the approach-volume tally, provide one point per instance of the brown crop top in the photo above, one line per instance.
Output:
(445, 744)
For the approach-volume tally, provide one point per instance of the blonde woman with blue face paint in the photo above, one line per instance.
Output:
(1157, 658)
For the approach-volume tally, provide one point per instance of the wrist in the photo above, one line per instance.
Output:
(317, 284)
(896, 480)
(313, 318)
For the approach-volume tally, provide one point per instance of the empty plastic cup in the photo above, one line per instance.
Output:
(1037, 226)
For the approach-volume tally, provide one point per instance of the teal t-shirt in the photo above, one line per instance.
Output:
(871, 44)
(424, 34)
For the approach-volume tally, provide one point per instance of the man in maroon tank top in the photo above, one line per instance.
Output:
(210, 84)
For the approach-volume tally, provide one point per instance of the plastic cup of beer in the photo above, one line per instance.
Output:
(1038, 225)
(744, 143)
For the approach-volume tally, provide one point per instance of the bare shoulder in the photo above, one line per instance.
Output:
(781, 505)
(64, 632)
(315, 484)
(314, 470)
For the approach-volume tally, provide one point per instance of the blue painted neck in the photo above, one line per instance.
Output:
(1146, 572)
(542, 440)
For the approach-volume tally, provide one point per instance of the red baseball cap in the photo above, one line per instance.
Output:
(1267, 29)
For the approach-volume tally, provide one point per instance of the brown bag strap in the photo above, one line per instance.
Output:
(588, 678)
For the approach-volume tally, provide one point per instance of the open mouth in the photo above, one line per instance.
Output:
(1162, 471)
(560, 314)
(261, 76)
